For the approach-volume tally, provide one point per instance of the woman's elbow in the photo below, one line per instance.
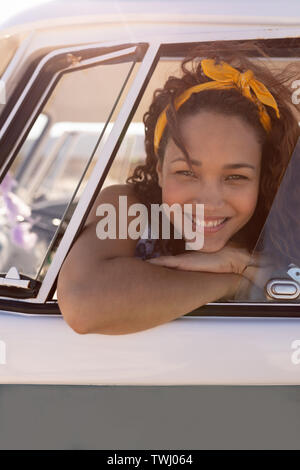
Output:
(69, 301)
(77, 313)
(69, 308)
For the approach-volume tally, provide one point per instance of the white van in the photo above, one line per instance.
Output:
(75, 82)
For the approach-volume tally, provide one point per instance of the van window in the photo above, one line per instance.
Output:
(280, 240)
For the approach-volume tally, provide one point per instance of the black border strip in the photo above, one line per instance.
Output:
(268, 310)
(248, 310)
(274, 47)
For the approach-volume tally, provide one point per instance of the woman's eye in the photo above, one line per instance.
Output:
(185, 173)
(237, 177)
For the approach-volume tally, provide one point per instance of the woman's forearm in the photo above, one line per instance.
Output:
(126, 295)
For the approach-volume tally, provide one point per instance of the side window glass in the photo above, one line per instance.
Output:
(41, 189)
(274, 270)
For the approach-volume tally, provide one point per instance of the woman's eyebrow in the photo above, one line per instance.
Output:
(230, 166)
(182, 159)
(234, 166)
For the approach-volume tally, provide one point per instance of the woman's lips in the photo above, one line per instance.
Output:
(210, 224)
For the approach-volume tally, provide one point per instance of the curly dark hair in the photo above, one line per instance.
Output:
(277, 145)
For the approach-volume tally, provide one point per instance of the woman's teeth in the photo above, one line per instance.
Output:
(210, 223)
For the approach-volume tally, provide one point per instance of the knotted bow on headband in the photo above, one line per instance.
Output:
(224, 76)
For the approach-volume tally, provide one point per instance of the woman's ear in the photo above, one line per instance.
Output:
(159, 173)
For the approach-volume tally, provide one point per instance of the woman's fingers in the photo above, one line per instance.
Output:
(186, 262)
(260, 260)
(183, 261)
(167, 261)
(227, 260)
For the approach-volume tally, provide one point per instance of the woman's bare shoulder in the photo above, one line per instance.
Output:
(110, 194)
(115, 190)
(119, 189)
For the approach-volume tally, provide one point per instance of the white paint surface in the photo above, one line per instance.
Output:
(186, 351)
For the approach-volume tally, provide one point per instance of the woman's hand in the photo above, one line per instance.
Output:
(259, 270)
(227, 260)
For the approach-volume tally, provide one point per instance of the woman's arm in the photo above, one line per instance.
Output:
(102, 288)
(126, 295)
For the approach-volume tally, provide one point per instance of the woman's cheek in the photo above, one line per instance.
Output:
(172, 193)
(247, 201)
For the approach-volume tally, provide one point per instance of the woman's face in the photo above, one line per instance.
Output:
(225, 155)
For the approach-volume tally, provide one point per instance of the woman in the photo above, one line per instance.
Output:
(220, 135)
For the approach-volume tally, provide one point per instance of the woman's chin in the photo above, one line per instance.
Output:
(212, 247)
(209, 245)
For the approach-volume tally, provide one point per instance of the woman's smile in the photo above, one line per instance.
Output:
(211, 226)
(208, 224)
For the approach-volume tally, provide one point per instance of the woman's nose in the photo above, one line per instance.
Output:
(210, 194)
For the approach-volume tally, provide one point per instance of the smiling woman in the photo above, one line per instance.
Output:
(220, 126)
(221, 135)
(225, 157)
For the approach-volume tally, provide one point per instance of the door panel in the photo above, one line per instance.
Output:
(186, 351)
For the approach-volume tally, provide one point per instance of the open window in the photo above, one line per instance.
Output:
(267, 290)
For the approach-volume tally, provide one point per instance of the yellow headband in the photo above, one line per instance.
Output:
(224, 76)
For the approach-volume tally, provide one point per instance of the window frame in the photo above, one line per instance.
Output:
(136, 50)
(27, 105)
(43, 304)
